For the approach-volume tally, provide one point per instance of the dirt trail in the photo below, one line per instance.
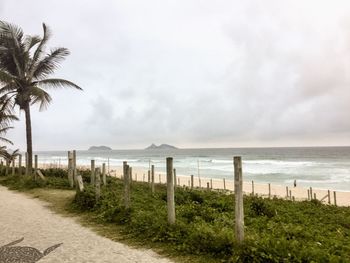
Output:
(49, 237)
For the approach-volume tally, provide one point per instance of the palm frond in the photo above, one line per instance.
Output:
(31, 41)
(40, 96)
(41, 48)
(6, 78)
(6, 140)
(50, 63)
(56, 83)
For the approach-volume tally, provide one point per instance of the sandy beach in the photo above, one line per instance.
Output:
(297, 193)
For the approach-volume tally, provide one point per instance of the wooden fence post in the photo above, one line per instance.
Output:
(143, 178)
(97, 184)
(315, 196)
(269, 190)
(126, 185)
(211, 183)
(253, 188)
(149, 176)
(20, 164)
(310, 193)
(192, 181)
(170, 190)
(160, 179)
(130, 174)
(92, 176)
(13, 166)
(175, 181)
(35, 165)
(329, 197)
(70, 170)
(208, 187)
(104, 174)
(335, 198)
(239, 213)
(74, 168)
(224, 184)
(178, 181)
(152, 178)
(26, 157)
(287, 192)
(80, 183)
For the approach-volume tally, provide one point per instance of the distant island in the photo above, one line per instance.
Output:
(161, 147)
(100, 148)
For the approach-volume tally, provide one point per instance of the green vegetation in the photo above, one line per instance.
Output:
(276, 230)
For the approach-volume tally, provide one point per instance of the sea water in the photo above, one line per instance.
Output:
(319, 167)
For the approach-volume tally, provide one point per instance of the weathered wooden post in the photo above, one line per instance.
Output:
(308, 194)
(26, 157)
(200, 182)
(178, 181)
(92, 176)
(143, 178)
(287, 192)
(191, 181)
(252, 187)
(149, 176)
(335, 198)
(20, 164)
(170, 190)
(74, 168)
(160, 179)
(70, 169)
(13, 166)
(35, 165)
(208, 187)
(80, 183)
(269, 190)
(239, 213)
(152, 179)
(175, 180)
(311, 193)
(315, 196)
(224, 184)
(290, 194)
(97, 184)
(130, 174)
(126, 185)
(104, 174)
(211, 183)
(329, 197)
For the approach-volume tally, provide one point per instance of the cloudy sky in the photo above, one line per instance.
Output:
(194, 73)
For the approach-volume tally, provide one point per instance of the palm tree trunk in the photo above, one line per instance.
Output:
(29, 138)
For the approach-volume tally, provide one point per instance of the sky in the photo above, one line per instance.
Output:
(192, 73)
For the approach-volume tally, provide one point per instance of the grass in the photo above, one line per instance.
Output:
(276, 230)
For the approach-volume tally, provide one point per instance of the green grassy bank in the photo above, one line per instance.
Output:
(276, 230)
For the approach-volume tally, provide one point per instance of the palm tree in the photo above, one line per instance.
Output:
(24, 72)
(9, 157)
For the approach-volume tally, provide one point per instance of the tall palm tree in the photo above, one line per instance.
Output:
(25, 67)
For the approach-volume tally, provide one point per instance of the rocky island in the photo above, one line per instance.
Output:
(161, 147)
(100, 148)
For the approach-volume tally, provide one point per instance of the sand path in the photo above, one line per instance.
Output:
(21, 216)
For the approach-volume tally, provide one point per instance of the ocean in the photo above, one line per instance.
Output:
(319, 167)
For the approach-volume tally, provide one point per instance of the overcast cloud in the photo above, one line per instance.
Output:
(193, 73)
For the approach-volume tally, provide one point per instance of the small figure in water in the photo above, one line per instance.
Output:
(295, 183)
